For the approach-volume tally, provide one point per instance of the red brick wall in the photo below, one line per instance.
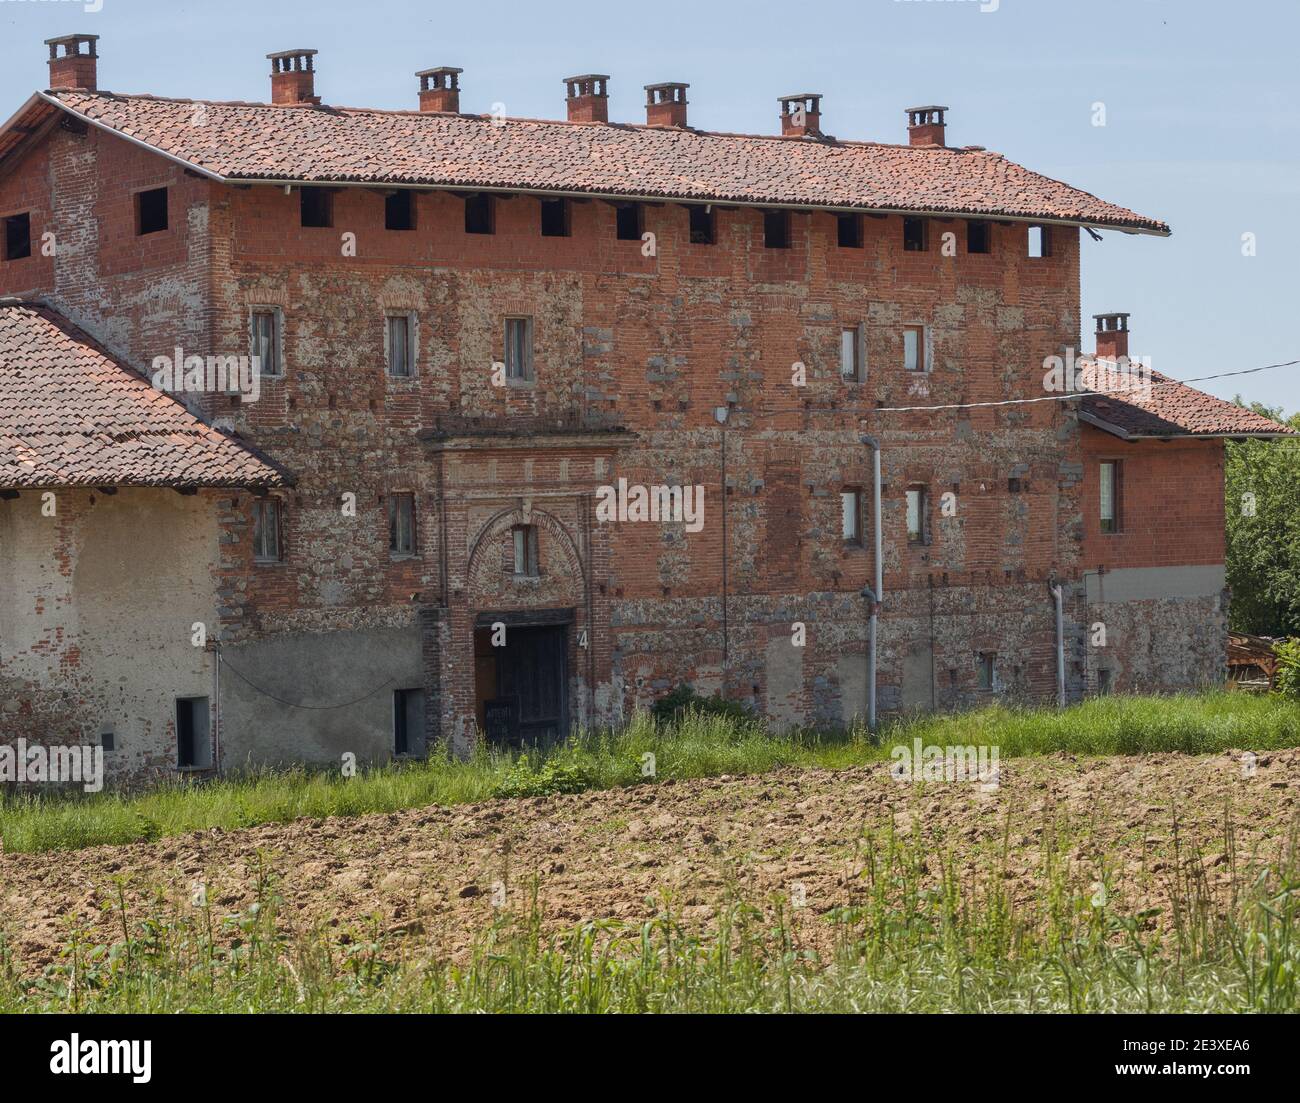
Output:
(1171, 511)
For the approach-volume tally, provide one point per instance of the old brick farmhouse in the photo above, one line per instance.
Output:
(549, 417)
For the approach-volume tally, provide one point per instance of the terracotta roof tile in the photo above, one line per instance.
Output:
(73, 415)
(319, 144)
(1170, 409)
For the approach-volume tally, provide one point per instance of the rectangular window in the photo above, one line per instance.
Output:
(1111, 486)
(1103, 680)
(914, 348)
(401, 524)
(1040, 241)
(986, 670)
(978, 237)
(702, 224)
(851, 516)
(108, 740)
(408, 719)
(519, 348)
(401, 346)
(914, 235)
(193, 733)
(628, 219)
(853, 354)
(150, 211)
(525, 550)
(776, 229)
(265, 332)
(916, 514)
(479, 214)
(18, 236)
(849, 231)
(399, 210)
(316, 207)
(555, 218)
(267, 545)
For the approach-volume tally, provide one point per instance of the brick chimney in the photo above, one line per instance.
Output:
(665, 104)
(588, 99)
(72, 68)
(801, 114)
(925, 125)
(293, 77)
(1112, 336)
(440, 89)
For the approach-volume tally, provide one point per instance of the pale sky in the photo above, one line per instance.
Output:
(1199, 95)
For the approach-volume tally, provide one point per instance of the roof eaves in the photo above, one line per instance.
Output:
(192, 166)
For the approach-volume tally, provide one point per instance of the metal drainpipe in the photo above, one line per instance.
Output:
(1058, 596)
(874, 594)
(216, 677)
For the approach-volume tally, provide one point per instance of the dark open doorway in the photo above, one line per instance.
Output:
(521, 686)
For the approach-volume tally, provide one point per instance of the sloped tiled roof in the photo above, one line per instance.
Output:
(73, 415)
(320, 144)
(1168, 408)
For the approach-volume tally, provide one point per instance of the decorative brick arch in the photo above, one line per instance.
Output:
(477, 584)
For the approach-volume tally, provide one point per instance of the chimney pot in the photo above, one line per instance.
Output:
(665, 104)
(440, 89)
(926, 126)
(588, 99)
(1112, 336)
(72, 68)
(801, 114)
(293, 77)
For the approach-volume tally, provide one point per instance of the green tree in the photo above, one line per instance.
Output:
(1263, 531)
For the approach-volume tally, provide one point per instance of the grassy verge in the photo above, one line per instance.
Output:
(697, 746)
(914, 933)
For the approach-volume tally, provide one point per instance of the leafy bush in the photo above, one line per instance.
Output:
(684, 700)
(1287, 681)
(550, 778)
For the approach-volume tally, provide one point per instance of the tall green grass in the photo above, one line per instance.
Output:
(912, 934)
(695, 746)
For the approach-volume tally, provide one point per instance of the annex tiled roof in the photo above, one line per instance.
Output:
(72, 415)
(320, 144)
(1169, 408)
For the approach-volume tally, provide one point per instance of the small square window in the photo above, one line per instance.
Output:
(986, 669)
(524, 538)
(150, 211)
(851, 516)
(519, 348)
(316, 207)
(914, 351)
(108, 739)
(1039, 242)
(852, 354)
(628, 221)
(978, 237)
(776, 229)
(702, 225)
(849, 231)
(18, 236)
(917, 508)
(555, 218)
(914, 236)
(264, 326)
(479, 214)
(267, 543)
(401, 524)
(399, 210)
(401, 346)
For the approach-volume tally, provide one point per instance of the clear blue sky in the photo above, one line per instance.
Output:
(1200, 100)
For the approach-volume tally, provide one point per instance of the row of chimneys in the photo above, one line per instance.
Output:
(293, 79)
